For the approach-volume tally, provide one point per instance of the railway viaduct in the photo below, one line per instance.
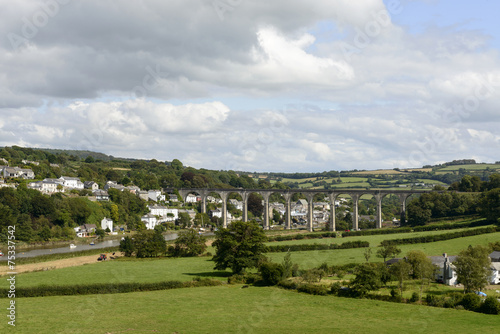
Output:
(287, 195)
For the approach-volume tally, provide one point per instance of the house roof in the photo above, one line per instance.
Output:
(439, 260)
(495, 265)
(495, 255)
(302, 202)
(70, 178)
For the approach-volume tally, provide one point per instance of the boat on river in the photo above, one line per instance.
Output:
(72, 246)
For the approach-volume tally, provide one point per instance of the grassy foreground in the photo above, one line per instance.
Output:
(231, 309)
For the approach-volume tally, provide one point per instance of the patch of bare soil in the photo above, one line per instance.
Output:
(56, 264)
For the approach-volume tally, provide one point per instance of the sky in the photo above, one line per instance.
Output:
(247, 85)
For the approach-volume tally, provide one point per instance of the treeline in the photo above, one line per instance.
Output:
(302, 236)
(475, 197)
(439, 237)
(146, 174)
(310, 247)
(40, 217)
(433, 227)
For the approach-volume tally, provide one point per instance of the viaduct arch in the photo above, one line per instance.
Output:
(378, 194)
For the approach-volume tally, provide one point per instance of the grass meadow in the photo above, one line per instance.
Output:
(232, 309)
(185, 269)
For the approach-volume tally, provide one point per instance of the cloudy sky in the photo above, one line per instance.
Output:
(254, 85)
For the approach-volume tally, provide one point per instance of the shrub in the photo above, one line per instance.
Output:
(286, 284)
(471, 301)
(313, 289)
(414, 297)
(236, 279)
(271, 272)
(491, 305)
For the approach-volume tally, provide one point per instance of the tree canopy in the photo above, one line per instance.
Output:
(239, 246)
(473, 268)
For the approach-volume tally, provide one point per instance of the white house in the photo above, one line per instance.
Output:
(237, 204)
(215, 200)
(163, 211)
(150, 221)
(101, 195)
(155, 195)
(192, 198)
(107, 223)
(8, 172)
(114, 185)
(218, 213)
(173, 198)
(46, 186)
(84, 230)
(71, 182)
(446, 270)
(90, 185)
(495, 273)
(133, 189)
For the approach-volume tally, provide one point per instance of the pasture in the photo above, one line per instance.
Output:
(231, 309)
(185, 269)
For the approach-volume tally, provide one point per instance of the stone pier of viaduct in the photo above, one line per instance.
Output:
(309, 194)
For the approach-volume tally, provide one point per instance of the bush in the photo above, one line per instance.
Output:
(471, 302)
(271, 272)
(491, 305)
(286, 284)
(236, 279)
(414, 297)
(313, 289)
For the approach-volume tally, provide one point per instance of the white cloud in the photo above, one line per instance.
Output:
(392, 101)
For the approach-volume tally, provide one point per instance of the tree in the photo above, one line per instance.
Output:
(188, 243)
(367, 279)
(421, 267)
(239, 246)
(255, 205)
(490, 205)
(127, 246)
(473, 268)
(115, 215)
(100, 233)
(149, 244)
(400, 271)
(388, 251)
(367, 254)
(201, 219)
(184, 220)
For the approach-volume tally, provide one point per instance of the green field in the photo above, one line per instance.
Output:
(473, 167)
(185, 269)
(231, 309)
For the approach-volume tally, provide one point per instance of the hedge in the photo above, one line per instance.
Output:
(439, 237)
(87, 289)
(433, 227)
(310, 247)
(302, 236)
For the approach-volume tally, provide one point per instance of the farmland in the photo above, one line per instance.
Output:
(231, 309)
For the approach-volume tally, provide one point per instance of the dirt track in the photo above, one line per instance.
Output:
(56, 264)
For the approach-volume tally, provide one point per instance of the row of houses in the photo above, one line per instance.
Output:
(15, 172)
(87, 230)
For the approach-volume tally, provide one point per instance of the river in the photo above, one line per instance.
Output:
(66, 249)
